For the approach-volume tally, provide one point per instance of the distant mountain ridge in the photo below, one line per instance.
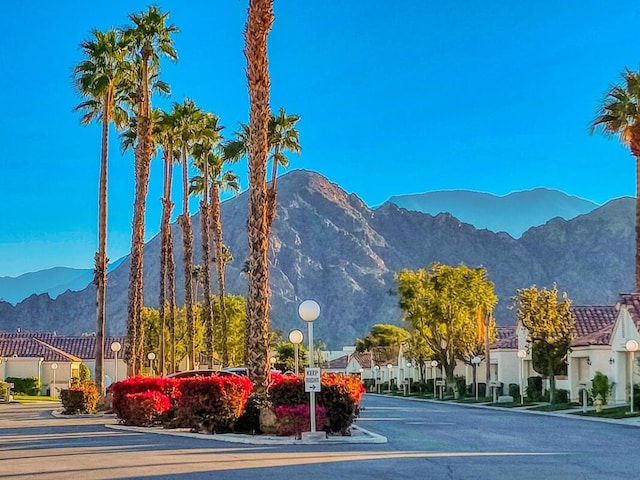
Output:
(329, 246)
(52, 281)
(514, 213)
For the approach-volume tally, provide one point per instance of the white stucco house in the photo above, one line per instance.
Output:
(54, 358)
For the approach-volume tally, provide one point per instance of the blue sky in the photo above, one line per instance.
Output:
(395, 98)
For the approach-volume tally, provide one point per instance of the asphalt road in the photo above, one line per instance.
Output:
(426, 440)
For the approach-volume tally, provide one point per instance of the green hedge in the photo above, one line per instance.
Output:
(24, 386)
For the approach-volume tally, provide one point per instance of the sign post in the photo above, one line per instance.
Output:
(312, 385)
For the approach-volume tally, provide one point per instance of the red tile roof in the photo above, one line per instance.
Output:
(632, 302)
(594, 324)
(337, 363)
(22, 344)
(365, 360)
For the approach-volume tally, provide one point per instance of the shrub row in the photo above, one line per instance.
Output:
(222, 404)
(211, 404)
(25, 386)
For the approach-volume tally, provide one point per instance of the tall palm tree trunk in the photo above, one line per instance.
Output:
(171, 279)
(220, 267)
(187, 243)
(207, 311)
(165, 232)
(259, 22)
(100, 274)
(143, 154)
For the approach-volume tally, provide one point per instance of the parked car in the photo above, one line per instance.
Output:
(200, 373)
(242, 371)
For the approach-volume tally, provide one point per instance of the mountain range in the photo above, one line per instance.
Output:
(514, 213)
(52, 281)
(328, 245)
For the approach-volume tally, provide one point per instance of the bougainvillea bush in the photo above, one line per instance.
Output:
(144, 409)
(166, 386)
(212, 404)
(339, 397)
(295, 420)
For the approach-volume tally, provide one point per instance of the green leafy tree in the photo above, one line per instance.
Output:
(382, 335)
(287, 356)
(550, 329)
(444, 306)
(619, 115)
(418, 352)
(234, 340)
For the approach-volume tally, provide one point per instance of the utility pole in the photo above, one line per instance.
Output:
(487, 353)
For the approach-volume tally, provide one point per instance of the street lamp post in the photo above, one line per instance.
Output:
(409, 378)
(54, 367)
(434, 364)
(115, 348)
(151, 356)
(389, 367)
(296, 337)
(309, 311)
(632, 347)
(475, 360)
(521, 355)
(377, 380)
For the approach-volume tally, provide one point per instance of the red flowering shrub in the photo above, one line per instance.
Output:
(166, 386)
(212, 404)
(297, 419)
(339, 396)
(144, 409)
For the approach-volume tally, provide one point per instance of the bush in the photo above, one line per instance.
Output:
(514, 391)
(145, 408)
(600, 384)
(295, 420)
(166, 386)
(4, 390)
(460, 385)
(339, 396)
(24, 386)
(212, 404)
(534, 388)
(249, 421)
(80, 399)
(561, 396)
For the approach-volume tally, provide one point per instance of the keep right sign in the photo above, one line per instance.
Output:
(312, 380)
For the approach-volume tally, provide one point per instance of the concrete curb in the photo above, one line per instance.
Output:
(570, 414)
(359, 435)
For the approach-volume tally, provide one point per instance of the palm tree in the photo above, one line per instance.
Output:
(98, 79)
(149, 38)
(189, 118)
(165, 128)
(619, 115)
(259, 22)
(208, 138)
(221, 182)
(283, 136)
